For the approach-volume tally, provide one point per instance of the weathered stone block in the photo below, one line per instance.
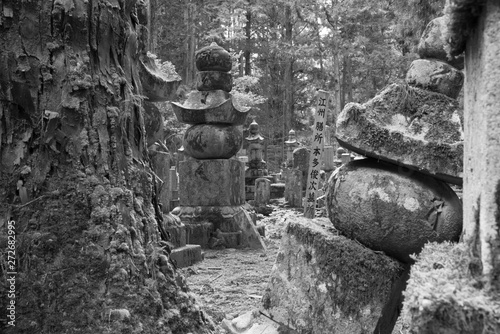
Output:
(408, 126)
(186, 256)
(436, 76)
(325, 283)
(203, 221)
(217, 182)
(433, 43)
(390, 210)
(198, 233)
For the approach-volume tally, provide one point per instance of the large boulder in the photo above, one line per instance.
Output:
(436, 76)
(433, 43)
(408, 126)
(391, 209)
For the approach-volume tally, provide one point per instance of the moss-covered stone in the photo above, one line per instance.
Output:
(325, 283)
(408, 126)
(444, 295)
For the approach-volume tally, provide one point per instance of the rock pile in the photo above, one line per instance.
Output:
(400, 201)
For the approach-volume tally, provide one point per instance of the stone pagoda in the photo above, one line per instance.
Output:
(211, 184)
(291, 144)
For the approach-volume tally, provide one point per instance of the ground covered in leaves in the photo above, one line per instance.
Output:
(231, 282)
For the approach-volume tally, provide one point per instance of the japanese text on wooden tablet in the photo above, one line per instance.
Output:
(318, 142)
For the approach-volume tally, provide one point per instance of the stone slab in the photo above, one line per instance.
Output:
(408, 126)
(199, 233)
(218, 182)
(325, 283)
(186, 256)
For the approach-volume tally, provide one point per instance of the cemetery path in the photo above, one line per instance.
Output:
(231, 282)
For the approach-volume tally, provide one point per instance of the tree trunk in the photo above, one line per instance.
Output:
(75, 175)
(346, 81)
(248, 45)
(288, 74)
(190, 43)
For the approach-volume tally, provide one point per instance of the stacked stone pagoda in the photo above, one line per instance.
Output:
(211, 184)
(414, 134)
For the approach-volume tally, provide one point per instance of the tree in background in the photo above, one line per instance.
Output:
(352, 48)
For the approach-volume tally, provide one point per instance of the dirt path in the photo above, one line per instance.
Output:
(231, 282)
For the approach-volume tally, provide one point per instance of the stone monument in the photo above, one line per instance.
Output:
(212, 189)
(291, 144)
(257, 167)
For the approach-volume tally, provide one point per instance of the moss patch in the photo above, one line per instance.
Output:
(443, 297)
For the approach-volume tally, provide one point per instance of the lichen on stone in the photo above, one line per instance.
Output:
(443, 295)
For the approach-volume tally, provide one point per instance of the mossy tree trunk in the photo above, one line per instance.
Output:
(75, 174)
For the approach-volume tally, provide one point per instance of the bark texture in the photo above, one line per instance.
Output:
(76, 177)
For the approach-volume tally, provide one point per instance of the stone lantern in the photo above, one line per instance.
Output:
(257, 167)
(291, 144)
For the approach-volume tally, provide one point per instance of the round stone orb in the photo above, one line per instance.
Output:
(213, 80)
(212, 141)
(392, 209)
(213, 58)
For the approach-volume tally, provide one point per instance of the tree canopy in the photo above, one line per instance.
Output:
(285, 50)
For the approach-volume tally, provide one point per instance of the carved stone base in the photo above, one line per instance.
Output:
(225, 220)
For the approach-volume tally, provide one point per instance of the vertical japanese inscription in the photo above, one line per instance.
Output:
(316, 154)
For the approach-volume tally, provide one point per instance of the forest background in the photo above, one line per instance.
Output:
(285, 50)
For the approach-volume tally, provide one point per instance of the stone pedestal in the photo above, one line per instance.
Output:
(215, 182)
(205, 222)
(325, 283)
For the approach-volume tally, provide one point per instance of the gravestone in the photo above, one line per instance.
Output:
(294, 180)
(262, 191)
